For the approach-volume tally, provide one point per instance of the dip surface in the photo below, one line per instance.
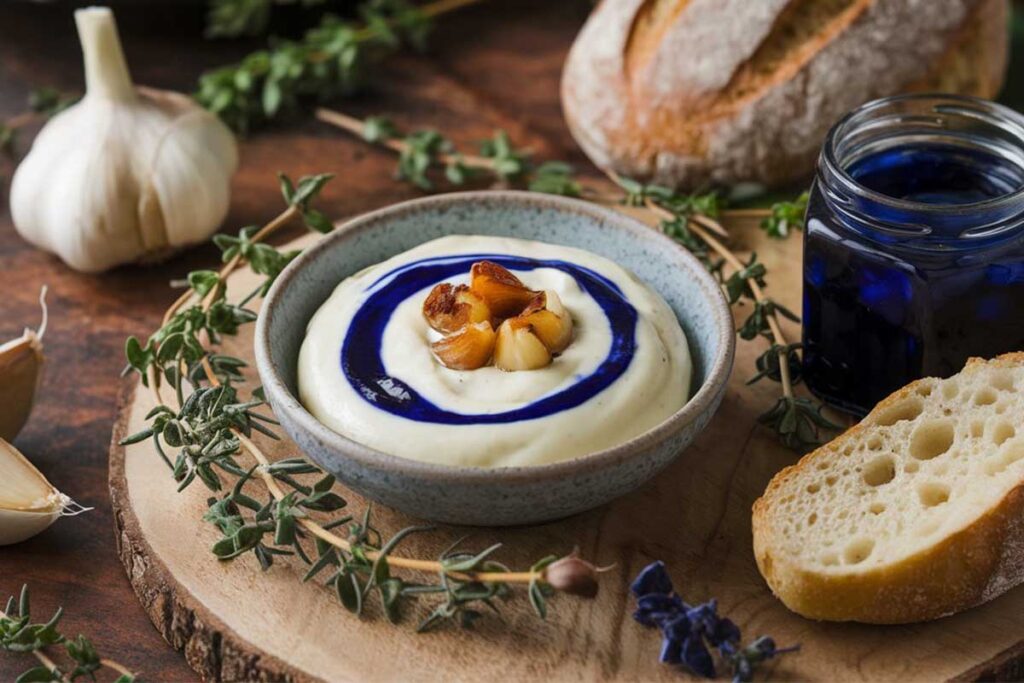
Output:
(378, 383)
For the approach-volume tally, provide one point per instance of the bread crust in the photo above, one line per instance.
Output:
(973, 565)
(688, 93)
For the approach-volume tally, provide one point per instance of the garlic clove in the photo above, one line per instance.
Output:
(519, 348)
(28, 502)
(502, 291)
(125, 175)
(21, 364)
(468, 349)
(449, 308)
(550, 321)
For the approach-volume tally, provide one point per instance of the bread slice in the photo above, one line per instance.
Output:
(915, 513)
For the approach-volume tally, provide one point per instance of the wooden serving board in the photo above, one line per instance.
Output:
(235, 622)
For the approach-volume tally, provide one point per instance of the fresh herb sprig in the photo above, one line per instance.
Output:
(233, 18)
(328, 61)
(270, 509)
(690, 219)
(784, 217)
(19, 634)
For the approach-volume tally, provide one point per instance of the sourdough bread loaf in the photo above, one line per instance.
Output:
(689, 93)
(915, 513)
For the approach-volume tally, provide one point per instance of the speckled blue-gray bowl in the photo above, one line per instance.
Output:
(500, 496)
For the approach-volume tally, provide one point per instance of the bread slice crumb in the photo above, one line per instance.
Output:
(916, 512)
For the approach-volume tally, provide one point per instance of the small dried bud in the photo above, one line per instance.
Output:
(572, 575)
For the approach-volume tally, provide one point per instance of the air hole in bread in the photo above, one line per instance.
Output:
(1001, 407)
(831, 480)
(858, 550)
(932, 493)
(985, 397)
(931, 439)
(876, 508)
(875, 443)
(950, 389)
(813, 488)
(1001, 432)
(977, 429)
(910, 467)
(812, 519)
(1009, 453)
(907, 409)
(1003, 381)
(924, 390)
(879, 471)
(848, 450)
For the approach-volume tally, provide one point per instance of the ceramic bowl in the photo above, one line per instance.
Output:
(498, 496)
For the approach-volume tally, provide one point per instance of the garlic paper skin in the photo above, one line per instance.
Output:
(127, 174)
(28, 503)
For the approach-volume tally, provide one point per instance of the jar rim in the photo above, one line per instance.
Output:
(977, 107)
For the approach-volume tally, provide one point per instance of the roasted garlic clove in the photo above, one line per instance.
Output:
(468, 349)
(502, 291)
(449, 308)
(519, 348)
(550, 321)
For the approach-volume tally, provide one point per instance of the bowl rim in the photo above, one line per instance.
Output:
(719, 369)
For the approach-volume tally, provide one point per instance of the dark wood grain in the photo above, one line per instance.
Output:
(490, 67)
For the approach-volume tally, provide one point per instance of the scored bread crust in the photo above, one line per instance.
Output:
(973, 565)
(689, 93)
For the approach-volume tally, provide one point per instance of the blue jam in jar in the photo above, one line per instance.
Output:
(914, 246)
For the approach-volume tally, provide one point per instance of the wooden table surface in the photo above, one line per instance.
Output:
(489, 67)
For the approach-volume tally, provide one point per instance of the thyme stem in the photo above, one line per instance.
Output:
(358, 127)
(700, 225)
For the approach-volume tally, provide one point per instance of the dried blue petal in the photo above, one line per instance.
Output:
(697, 657)
(671, 651)
(654, 609)
(725, 635)
(704, 617)
(676, 628)
(652, 579)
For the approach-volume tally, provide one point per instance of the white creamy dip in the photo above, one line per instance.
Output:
(653, 386)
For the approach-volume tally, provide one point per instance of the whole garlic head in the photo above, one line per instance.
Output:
(126, 174)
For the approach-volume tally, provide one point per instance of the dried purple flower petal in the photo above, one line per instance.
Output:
(676, 628)
(671, 651)
(688, 631)
(652, 579)
(697, 657)
(654, 609)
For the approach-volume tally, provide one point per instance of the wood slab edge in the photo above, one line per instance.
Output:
(211, 647)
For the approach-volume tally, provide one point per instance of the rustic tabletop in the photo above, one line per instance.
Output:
(488, 67)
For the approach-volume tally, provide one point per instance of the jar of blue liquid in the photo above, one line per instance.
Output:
(914, 246)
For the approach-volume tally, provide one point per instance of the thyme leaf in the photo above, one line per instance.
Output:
(20, 635)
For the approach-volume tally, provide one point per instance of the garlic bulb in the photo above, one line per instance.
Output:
(127, 174)
(28, 503)
(21, 364)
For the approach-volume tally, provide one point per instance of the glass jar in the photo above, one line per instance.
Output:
(914, 245)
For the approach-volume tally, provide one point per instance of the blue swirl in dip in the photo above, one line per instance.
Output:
(366, 369)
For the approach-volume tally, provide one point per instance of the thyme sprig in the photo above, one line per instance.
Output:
(233, 18)
(330, 60)
(18, 633)
(689, 219)
(272, 509)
